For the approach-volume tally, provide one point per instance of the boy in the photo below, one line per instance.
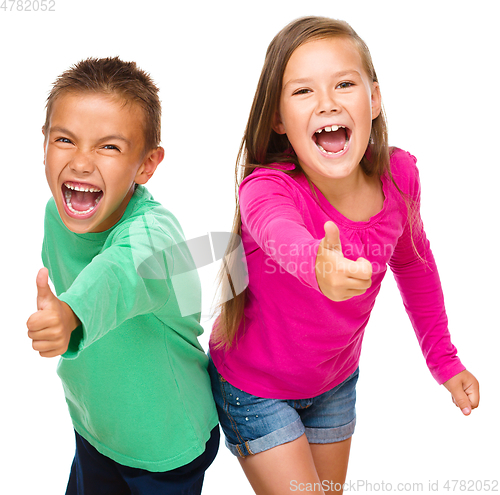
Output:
(133, 372)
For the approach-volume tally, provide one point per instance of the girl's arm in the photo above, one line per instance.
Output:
(273, 217)
(417, 277)
(420, 287)
(418, 281)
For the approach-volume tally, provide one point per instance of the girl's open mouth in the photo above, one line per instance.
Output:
(81, 200)
(332, 140)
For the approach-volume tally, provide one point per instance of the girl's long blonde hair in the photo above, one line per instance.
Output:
(261, 146)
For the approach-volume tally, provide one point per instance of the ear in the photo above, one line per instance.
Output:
(44, 143)
(148, 166)
(278, 125)
(376, 100)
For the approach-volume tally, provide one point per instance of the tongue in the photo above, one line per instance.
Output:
(82, 201)
(333, 141)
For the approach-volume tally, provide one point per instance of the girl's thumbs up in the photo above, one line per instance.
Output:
(332, 237)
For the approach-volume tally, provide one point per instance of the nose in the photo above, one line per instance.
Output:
(327, 103)
(81, 163)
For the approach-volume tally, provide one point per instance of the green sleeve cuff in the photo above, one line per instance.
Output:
(75, 342)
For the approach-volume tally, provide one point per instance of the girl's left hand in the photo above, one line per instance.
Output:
(464, 390)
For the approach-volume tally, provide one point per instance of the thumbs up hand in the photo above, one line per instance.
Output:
(338, 278)
(51, 326)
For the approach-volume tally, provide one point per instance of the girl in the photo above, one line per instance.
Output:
(324, 206)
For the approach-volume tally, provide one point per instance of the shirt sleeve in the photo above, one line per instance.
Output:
(127, 279)
(272, 217)
(420, 287)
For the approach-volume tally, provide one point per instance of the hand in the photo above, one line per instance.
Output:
(51, 326)
(338, 278)
(464, 390)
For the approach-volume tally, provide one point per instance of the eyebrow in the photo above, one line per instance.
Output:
(63, 130)
(336, 76)
(114, 136)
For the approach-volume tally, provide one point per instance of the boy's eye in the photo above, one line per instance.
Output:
(63, 140)
(111, 147)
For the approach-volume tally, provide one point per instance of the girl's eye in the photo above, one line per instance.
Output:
(344, 85)
(301, 91)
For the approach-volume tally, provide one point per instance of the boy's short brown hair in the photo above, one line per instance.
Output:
(112, 76)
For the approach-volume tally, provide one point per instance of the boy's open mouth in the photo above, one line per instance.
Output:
(332, 139)
(81, 199)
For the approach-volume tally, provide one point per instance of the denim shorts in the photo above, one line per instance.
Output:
(253, 424)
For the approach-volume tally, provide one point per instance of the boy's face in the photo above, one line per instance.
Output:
(94, 155)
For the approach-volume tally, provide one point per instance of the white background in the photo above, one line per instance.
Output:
(437, 62)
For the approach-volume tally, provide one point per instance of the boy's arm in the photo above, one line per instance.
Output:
(130, 277)
(127, 279)
(51, 326)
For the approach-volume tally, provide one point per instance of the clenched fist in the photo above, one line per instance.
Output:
(464, 389)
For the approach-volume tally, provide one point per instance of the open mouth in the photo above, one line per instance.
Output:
(332, 140)
(81, 199)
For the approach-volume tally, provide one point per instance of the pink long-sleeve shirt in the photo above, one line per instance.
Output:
(297, 343)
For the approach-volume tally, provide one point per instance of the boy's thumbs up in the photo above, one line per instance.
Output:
(44, 295)
(51, 326)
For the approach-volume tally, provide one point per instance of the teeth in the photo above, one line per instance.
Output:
(79, 212)
(82, 189)
(331, 128)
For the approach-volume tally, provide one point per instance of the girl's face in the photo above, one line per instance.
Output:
(326, 107)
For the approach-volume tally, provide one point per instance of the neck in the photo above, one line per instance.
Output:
(357, 196)
(339, 190)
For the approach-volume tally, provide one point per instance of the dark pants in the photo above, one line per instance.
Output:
(95, 474)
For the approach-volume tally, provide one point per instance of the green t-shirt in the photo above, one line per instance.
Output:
(134, 376)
